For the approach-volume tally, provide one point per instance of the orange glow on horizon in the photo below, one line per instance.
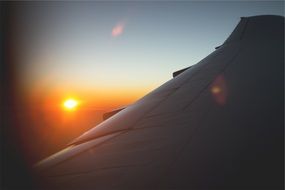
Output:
(47, 104)
(104, 97)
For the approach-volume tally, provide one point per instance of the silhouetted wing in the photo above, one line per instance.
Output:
(217, 124)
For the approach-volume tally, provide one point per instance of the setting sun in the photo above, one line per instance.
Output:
(70, 104)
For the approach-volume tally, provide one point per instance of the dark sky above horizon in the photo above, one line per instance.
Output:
(115, 52)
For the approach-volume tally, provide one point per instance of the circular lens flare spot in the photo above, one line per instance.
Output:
(219, 90)
(216, 90)
(70, 104)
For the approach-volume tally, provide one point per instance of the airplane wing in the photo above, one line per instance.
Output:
(217, 124)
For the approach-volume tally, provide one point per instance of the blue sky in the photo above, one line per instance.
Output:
(70, 45)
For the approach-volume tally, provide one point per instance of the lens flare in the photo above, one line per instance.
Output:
(118, 29)
(219, 90)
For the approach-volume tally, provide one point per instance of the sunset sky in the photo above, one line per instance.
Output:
(109, 54)
(71, 62)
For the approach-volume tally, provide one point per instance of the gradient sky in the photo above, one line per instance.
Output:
(111, 53)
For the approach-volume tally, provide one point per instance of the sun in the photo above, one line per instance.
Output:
(70, 104)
